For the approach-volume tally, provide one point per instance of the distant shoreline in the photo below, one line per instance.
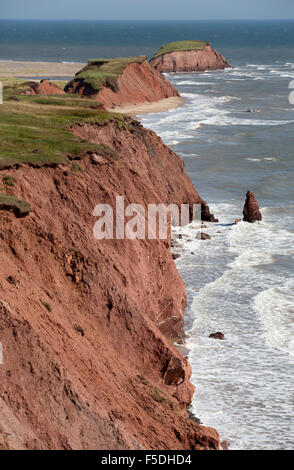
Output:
(57, 70)
(19, 68)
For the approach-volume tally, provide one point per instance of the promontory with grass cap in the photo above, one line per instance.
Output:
(188, 56)
(121, 81)
(70, 381)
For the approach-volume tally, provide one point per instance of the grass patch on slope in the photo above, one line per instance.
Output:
(36, 129)
(99, 72)
(181, 46)
(11, 203)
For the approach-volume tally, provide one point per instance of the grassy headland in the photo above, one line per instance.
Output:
(181, 46)
(36, 129)
(99, 72)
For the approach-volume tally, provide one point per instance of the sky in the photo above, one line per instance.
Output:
(146, 9)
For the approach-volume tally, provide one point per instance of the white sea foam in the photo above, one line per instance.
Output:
(191, 82)
(222, 303)
(233, 121)
(272, 159)
(252, 257)
(275, 308)
(188, 155)
(236, 281)
(268, 159)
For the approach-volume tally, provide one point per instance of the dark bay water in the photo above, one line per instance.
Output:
(80, 40)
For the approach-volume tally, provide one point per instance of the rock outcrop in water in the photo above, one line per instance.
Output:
(69, 380)
(117, 82)
(188, 56)
(217, 335)
(251, 210)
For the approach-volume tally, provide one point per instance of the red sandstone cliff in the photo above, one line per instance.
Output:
(190, 61)
(86, 324)
(251, 210)
(44, 87)
(138, 83)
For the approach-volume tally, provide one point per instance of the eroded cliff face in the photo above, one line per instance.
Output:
(138, 83)
(44, 87)
(86, 325)
(190, 61)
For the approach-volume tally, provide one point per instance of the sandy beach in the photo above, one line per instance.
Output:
(11, 68)
(148, 108)
(16, 69)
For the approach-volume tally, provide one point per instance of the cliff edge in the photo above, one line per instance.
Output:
(188, 56)
(121, 81)
(86, 325)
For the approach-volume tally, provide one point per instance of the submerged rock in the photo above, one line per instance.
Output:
(206, 214)
(251, 211)
(225, 445)
(217, 335)
(203, 236)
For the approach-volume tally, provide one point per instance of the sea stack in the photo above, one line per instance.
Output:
(188, 56)
(251, 211)
(121, 81)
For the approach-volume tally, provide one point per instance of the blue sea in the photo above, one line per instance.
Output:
(241, 282)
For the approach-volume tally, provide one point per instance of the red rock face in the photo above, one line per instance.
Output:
(251, 208)
(190, 61)
(139, 83)
(45, 88)
(85, 323)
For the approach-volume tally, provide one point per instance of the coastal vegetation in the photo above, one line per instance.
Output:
(64, 294)
(100, 72)
(181, 46)
(36, 129)
(8, 180)
(19, 207)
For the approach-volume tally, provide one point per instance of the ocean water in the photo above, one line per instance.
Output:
(79, 41)
(241, 282)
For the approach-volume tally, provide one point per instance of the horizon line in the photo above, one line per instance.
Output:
(140, 19)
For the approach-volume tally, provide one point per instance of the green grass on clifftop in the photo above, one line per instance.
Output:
(100, 71)
(36, 129)
(181, 46)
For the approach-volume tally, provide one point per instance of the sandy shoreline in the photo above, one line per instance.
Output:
(11, 68)
(15, 69)
(147, 108)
